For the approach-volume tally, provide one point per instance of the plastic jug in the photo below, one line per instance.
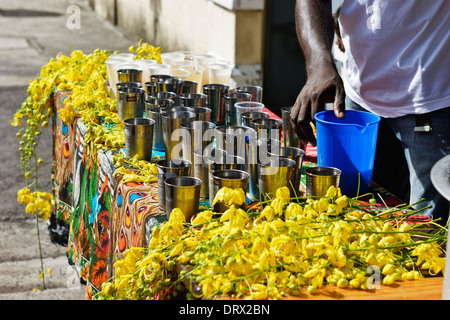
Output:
(348, 145)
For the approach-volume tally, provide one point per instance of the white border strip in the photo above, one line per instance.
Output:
(241, 4)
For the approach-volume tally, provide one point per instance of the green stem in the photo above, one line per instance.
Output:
(392, 247)
(37, 223)
(258, 272)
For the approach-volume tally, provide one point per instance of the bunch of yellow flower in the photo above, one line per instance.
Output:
(39, 203)
(284, 249)
(85, 76)
(146, 51)
(135, 170)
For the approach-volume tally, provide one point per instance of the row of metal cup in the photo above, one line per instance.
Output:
(217, 132)
(178, 189)
(254, 149)
(163, 98)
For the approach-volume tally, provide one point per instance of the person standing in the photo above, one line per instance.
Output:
(396, 66)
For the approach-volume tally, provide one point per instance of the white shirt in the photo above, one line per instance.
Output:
(397, 55)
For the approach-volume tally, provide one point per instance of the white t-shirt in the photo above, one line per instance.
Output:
(397, 55)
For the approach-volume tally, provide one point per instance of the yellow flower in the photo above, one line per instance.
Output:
(277, 206)
(293, 210)
(202, 217)
(237, 197)
(268, 213)
(223, 195)
(176, 250)
(177, 216)
(24, 196)
(333, 192)
(283, 194)
(342, 201)
(16, 120)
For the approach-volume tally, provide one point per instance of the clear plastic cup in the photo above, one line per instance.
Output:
(220, 73)
(182, 74)
(196, 74)
(203, 60)
(144, 63)
(170, 57)
(112, 65)
(182, 63)
(125, 56)
(246, 106)
(160, 68)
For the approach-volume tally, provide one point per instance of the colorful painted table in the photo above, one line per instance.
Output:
(97, 216)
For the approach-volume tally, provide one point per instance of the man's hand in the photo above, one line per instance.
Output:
(321, 87)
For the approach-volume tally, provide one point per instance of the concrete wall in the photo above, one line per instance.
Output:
(231, 29)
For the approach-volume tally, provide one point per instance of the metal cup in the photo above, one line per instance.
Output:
(150, 87)
(257, 152)
(121, 85)
(139, 137)
(255, 91)
(193, 100)
(276, 174)
(188, 87)
(267, 128)
(169, 169)
(232, 138)
(183, 193)
(247, 117)
(203, 159)
(320, 179)
(160, 78)
(209, 157)
(230, 99)
(129, 75)
(201, 171)
(201, 135)
(130, 102)
(233, 179)
(158, 103)
(229, 163)
(169, 84)
(153, 108)
(202, 114)
(215, 94)
(163, 95)
(175, 108)
(298, 155)
(290, 139)
(172, 132)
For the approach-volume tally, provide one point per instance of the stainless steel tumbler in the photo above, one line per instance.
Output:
(169, 169)
(139, 138)
(215, 94)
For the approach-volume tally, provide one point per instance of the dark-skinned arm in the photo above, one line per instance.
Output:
(315, 32)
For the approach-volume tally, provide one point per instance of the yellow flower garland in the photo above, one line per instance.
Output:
(272, 254)
(85, 75)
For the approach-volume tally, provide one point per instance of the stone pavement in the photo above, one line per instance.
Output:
(31, 33)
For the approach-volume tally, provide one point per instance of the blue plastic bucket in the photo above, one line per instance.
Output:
(348, 145)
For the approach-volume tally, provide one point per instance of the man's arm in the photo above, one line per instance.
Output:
(315, 32)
